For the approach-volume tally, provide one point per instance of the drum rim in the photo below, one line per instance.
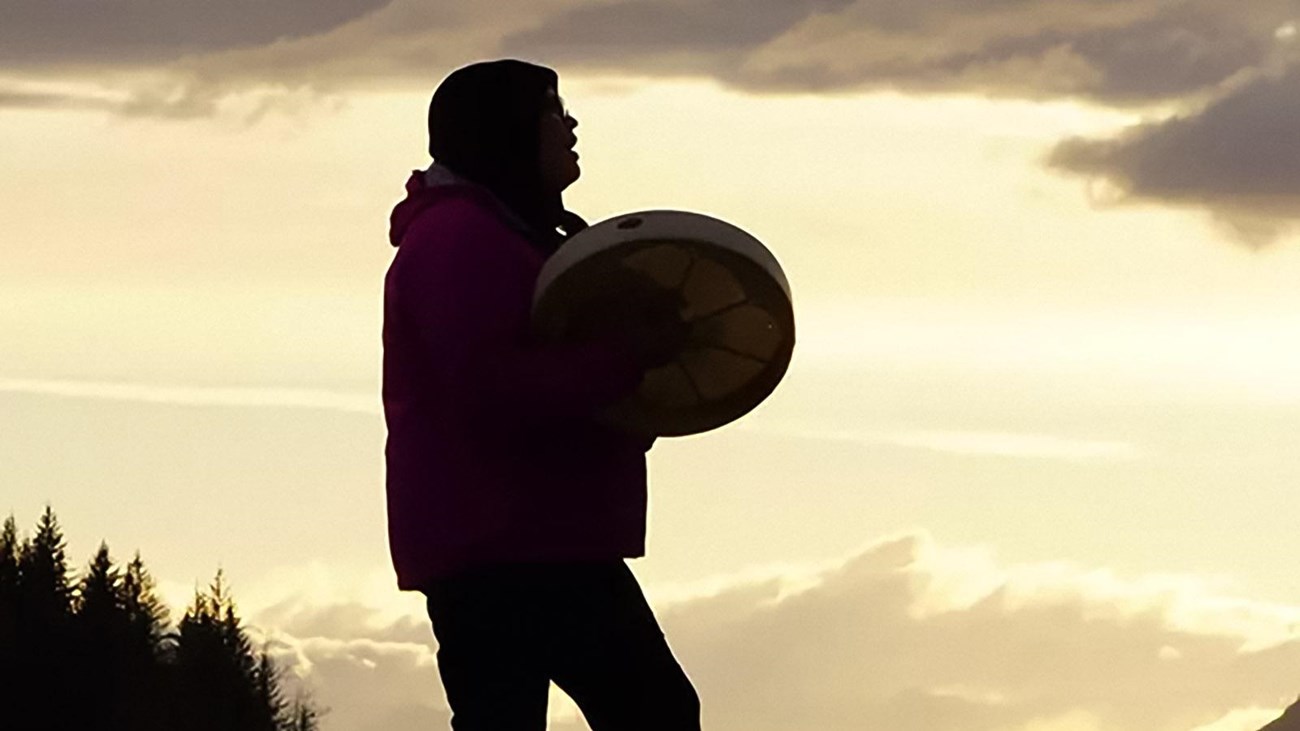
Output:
(663, 225)
(727, 242)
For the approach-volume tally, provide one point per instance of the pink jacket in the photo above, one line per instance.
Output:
(492, 454)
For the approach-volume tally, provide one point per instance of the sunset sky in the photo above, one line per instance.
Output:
(1033, 465)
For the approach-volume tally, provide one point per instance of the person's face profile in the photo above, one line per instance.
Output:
(556, 157)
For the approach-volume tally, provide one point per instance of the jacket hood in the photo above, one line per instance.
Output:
(485, 123)
(427, 187)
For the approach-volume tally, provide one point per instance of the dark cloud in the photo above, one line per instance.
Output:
(185, 58)
(174, 98)
(1123, 51)
(1176, 51)
(78, 32)
(636, 29)
(1238, 157)
(16, 99)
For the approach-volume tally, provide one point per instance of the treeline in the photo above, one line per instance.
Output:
(97, 650)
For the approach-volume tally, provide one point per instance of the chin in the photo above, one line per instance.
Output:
(562, 177)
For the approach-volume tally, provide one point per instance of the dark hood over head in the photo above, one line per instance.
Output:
(484, 124)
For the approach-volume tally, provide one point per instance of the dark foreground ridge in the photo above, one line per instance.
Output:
(1289, 721)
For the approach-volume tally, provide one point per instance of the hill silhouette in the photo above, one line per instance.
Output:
(1288, 721)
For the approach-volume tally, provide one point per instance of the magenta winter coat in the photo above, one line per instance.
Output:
(492, 454)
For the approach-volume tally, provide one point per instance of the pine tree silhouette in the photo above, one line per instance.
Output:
(225, 683)
(10, 671)
(44, 642)
(303, 715)
(148, 652)
(98, 652)
(266, 691)
(146, 613)
(9, 555)
(44, 588)
(9, 547)
(100, 633)
(99, 593)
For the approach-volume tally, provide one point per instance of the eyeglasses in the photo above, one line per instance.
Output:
(558, 107)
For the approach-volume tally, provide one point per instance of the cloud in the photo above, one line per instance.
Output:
(185, 58)
(1238, 157)
(906, 635)
(367, 684)
(1123, 52)
(1241, 719)
(14, 98)
(971, 443)
(655, 32)
(252, 397)
(189, 59)
(967, 443)
(71, 33)
(911, 636)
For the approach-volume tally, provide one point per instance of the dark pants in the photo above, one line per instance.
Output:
(505, 633)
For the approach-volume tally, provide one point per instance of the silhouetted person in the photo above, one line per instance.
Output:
(509, 507)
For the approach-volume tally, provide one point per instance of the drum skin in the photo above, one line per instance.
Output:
(733, 296)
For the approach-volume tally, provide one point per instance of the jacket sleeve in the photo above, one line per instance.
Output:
(465, 294)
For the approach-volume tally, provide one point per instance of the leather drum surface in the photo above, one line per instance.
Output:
(731, 293)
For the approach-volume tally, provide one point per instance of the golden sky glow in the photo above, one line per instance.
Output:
(190, 312)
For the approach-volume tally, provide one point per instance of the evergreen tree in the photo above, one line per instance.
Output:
(100, 633)
(99, 596)
(303, 715)
(43, 572)
(103, 643)
(9, 547)
(146, 613)
(44, 647)
(146, 657)
(266, 692)
(10, 550)
(217, 667)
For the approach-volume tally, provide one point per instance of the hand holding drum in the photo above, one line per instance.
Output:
(702, 305)
(638, 314)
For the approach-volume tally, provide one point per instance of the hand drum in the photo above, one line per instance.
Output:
(726, 287)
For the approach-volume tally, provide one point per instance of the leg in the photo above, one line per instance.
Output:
(487, 653)
(608, 653)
